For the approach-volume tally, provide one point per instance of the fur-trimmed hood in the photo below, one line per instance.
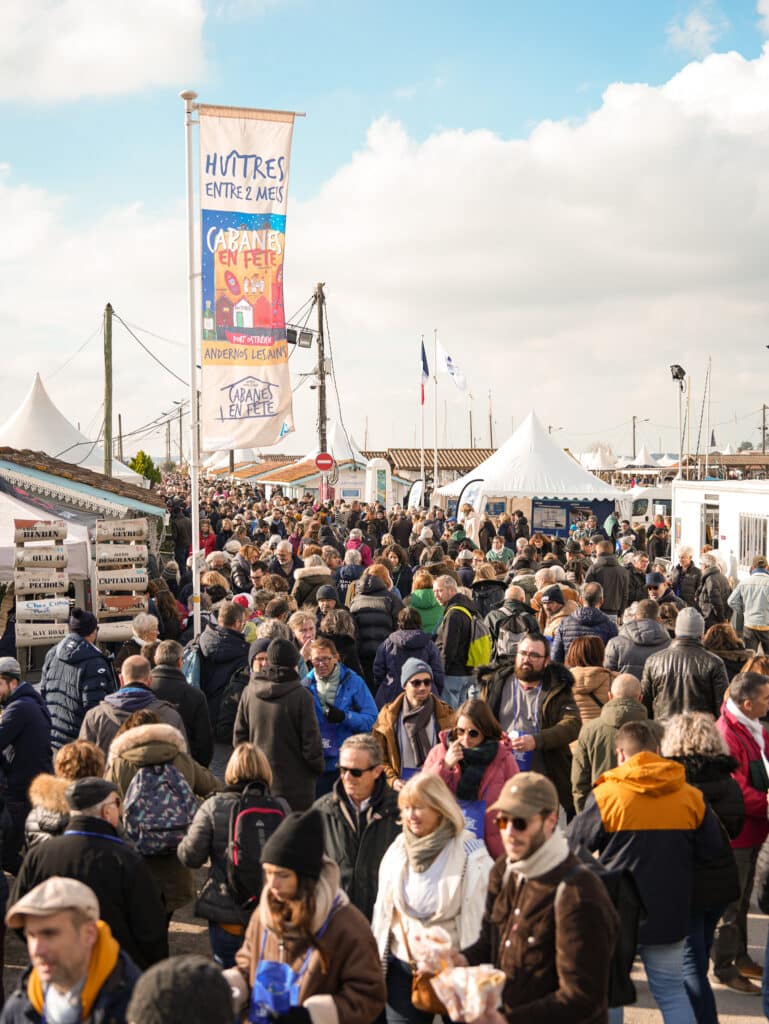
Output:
(313, 572)
(148, 744)
(47, 792)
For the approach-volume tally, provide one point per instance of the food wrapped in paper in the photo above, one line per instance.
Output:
(431, 948)
(469, 993)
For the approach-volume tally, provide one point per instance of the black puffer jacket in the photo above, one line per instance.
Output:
(76, 677)
(637, 641)
(50, 813)
(240, 574)
(392, 655)
(683, 677)
(712, 596)
(224, 651)
(612, 576)
(357, 843)
(715, 884)
(686, 583)
(488, 595)
(375, 612)
(208, 837)
(452, 638)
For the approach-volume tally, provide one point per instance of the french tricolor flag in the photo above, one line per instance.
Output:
(425, 372)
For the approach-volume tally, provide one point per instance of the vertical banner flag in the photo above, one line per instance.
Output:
(244, 379)
(447, 364)
(425, 373)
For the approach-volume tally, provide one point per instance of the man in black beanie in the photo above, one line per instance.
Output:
(183, 988)
(277, 713)
(76, 677)
(305, 920)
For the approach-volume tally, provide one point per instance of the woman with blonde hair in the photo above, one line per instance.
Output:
(248, 771)
(435, 873)
(693, 741)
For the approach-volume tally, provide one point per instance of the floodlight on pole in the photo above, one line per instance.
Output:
(678, 373)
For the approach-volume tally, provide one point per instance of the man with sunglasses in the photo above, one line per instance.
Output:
(533, 700)
(549, 923)
(360, 819)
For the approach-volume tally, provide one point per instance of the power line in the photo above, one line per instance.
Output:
(77, 352)
(149, 351)
(160, 337)
(333, 377)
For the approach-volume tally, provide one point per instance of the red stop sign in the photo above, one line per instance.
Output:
(324, 461)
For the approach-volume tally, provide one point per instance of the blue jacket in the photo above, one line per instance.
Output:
(25, 728)
(393, 653)
(354, 698)
(583, 622)
(76, 677)
(751, 597)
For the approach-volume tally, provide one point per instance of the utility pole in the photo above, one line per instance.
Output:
(320, 300)
(181, 437)
(491, 423)
(168, 441)
(120, 436)
(763, 429)
(108, 390)
(471, 421)
(634, 419)
(232, 461)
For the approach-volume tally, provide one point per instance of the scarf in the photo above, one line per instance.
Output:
(103, 961)
(416, 721)
(475, 761)
(754, 727)
(422, 850)
(551, 853)
(328, 687)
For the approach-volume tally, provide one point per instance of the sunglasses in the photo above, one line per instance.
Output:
(420, 682)
(473, 734)
(519, 824)
(355, 772)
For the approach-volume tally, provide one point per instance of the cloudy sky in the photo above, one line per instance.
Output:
(572, 198)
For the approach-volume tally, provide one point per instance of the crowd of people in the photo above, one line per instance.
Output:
(392, 722)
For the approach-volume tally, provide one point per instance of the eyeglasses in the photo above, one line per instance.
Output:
(519, 824)
(355, 772)
(530, 656)
(419, 682)
(322, 661)
(115, 803)
(473, 734)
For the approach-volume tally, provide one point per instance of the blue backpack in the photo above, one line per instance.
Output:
(158, 809)
(192, 664)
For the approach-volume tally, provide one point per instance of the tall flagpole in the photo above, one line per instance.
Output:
(435, 435)
(188, 96)
(422, 421)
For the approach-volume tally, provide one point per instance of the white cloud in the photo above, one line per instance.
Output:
(62, 50)
(566, 271)
(697, 33)
(763, 11)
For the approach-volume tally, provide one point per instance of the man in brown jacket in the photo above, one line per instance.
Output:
(549, 923)
(408, 727)
(305, 921)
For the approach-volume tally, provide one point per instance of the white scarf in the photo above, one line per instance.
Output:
(551, 853)
(753, 725)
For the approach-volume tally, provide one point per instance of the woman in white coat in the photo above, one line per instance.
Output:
(435, 873)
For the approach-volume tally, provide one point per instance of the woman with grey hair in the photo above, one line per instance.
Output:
(685, 578)
(692, 740)
(713, 592)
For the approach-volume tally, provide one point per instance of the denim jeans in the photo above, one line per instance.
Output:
(702, 925)
(455, 689)
(224, 946)
(664, 969)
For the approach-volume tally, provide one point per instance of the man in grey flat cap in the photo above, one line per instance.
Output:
(92, 851)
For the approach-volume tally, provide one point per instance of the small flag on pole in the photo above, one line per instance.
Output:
(425, 372)
(447, 364)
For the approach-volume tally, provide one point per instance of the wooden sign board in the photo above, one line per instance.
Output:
(121, 579)
(42, 529)
(56, 608)
(48, 556)
(40, 634)
(120, 554)
(112, 631)
(121, 529)
(40, 581)
(115, 606)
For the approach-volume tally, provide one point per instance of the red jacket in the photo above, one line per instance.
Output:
(744, 748)
(206, 544)
(503, 767)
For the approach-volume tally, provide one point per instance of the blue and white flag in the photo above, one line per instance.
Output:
(447, 364)
(425, 372)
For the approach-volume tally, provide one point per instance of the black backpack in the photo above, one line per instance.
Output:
(623, 892)
(254, 817)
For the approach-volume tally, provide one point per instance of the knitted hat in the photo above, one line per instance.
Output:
(297, 844)
(282, 654)
(412, 667)
(553, 595)
(10, 667)
(183, 988)
(258, 647)
(690, 624)
(82, 622)
(88, 792)
(327, 593)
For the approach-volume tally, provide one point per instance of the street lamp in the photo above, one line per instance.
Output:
(551, 429)
(678, 373)
(636, 420)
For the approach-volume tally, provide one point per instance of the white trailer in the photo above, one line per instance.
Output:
(731, 515)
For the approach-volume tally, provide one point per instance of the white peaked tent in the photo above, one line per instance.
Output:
(600, 460)
(644, 458)
(531, 465)
(39, 426)
(338, 446)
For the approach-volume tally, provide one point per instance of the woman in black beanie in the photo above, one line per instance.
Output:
(306, 934)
